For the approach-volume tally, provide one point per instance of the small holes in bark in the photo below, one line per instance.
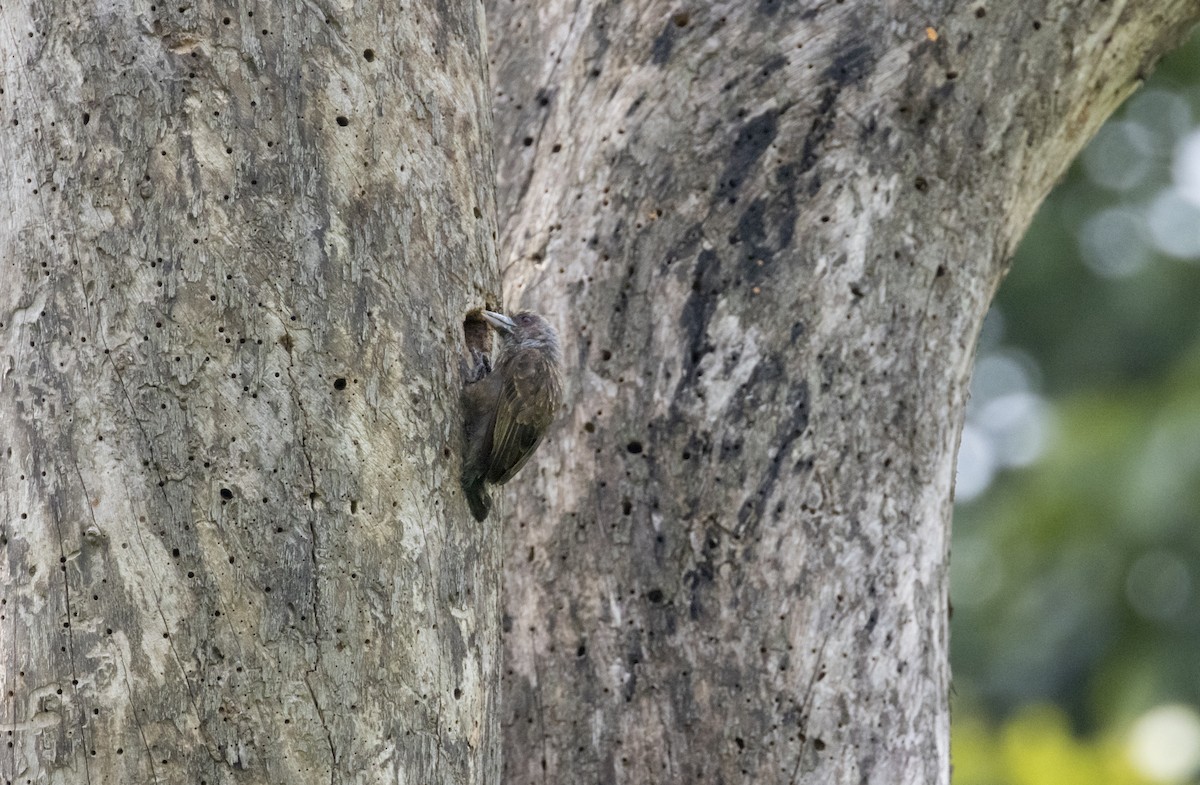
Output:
(589, 427)
(921, 184)
(634, 447)
(343, 121)
(655, 596)
(626, 507)
(339, 383)
(226, 494)
(980, 12)
(527, 141)
(941, 270)
(369, 55)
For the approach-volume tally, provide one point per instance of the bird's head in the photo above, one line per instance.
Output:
(525, 330)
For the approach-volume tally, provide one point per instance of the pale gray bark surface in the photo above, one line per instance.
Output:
(769, 232)
(232, 545)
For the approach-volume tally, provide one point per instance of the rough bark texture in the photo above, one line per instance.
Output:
(238, 242)
(769, 232)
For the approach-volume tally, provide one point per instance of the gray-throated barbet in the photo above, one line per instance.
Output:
(507, 412)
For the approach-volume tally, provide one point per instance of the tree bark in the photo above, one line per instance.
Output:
(769, 232)
(237, 250)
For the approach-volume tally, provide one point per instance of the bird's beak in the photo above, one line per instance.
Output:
(500, 321)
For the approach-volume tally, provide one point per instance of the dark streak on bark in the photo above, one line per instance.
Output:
(663, 44)
(696, 313)
(752, 140)
(822, 123)
(791, 424)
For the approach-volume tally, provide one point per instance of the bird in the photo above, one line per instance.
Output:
(506, 412)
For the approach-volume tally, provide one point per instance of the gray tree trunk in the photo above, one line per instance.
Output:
(769, 231)
(236, 251)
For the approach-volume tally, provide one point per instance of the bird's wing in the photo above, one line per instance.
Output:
(526, 407)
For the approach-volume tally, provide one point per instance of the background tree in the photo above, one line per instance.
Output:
(771, 231)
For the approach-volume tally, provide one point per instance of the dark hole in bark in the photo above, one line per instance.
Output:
(478, 338)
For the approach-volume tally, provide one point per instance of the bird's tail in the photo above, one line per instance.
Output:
(478, 499)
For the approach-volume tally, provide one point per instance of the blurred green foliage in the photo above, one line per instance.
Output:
(1037, 747)
(1076, 580)
(1088, 331)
